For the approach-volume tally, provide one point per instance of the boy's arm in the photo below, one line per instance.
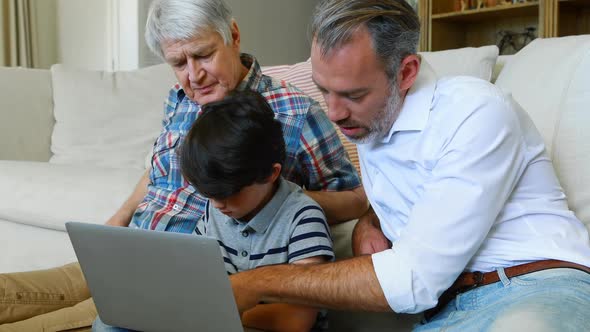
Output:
(281, 316)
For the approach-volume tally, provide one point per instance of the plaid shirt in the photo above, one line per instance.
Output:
(316, 159)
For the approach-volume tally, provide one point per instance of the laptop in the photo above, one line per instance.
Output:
(155, 281)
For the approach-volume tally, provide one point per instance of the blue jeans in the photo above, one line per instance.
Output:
(548, 300)
(99, 326)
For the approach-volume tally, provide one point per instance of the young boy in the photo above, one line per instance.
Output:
(233, 155)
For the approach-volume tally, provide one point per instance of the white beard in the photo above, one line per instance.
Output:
(381, 124)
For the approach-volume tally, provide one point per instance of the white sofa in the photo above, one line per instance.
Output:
(73, 143)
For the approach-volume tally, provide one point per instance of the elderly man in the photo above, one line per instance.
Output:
(201, 42)
(468, 220)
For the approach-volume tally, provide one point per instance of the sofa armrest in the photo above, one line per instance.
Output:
(26, 114)
(47, 195)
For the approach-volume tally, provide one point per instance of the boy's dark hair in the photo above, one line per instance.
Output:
(233, 144)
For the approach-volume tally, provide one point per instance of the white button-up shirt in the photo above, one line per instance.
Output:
(462, 182)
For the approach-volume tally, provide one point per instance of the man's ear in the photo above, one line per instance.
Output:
(408, 72)
(235, 34)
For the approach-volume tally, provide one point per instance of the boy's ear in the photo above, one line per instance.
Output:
(276, 172)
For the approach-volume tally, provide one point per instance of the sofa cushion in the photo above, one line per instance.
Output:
(471, 61)
(571, 147)
(48, 195)
(27, 114)
(107, 119)
(478, 62)
(550, 78)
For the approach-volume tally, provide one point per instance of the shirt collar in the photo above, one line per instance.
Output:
(263, 219)
(417, 103)
(250, 81)
(254, 75)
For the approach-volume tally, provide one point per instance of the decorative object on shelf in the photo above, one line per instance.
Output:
(481, 4)
(511, 42)
(414, 4)
(464, 4)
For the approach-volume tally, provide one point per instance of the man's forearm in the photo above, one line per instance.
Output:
(123, 216)
(340, 206)
(345, 285)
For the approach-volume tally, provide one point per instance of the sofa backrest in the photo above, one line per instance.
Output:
(550, 78)
(26, 114)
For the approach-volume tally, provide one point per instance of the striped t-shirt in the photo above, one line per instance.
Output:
(290, 227)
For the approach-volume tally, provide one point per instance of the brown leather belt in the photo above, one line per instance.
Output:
(470, 280)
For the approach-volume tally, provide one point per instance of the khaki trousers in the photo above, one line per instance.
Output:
(46, 300)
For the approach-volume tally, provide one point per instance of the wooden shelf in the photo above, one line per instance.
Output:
(497, 12)
(573, 17)
(444, 28)
(574, 3)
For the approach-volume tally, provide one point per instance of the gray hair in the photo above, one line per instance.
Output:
(177, 20)
(393, 25)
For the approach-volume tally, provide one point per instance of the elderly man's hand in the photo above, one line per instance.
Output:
(367, 237)
(244, 290)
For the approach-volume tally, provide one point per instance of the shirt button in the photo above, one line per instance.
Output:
(245, 233)
(176, 207)
(244, 253)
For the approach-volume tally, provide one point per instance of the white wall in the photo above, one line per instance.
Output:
(82, 29)
(277, 31)
(146, 57)
(125, 34)
(108, 34)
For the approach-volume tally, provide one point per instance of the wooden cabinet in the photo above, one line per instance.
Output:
(446, 26)
(573, 17)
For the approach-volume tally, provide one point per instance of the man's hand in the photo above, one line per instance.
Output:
(246, 297)
(123, 216)
(119, 220)
(367, 237)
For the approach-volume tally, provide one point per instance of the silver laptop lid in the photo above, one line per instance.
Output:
(155, 281)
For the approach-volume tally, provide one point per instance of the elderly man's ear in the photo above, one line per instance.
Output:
(408, 72)
(235, 34)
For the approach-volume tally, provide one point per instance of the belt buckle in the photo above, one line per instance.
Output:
(477, 277)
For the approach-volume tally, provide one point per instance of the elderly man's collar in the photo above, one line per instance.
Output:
(254, 75)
